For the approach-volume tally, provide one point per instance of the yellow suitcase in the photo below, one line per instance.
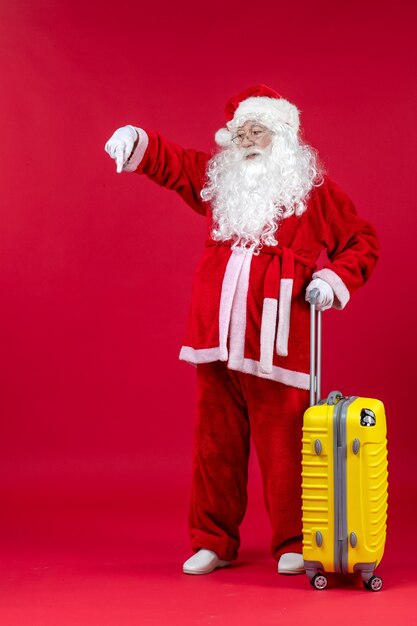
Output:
(344, 481)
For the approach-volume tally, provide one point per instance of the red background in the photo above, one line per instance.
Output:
(96, 268)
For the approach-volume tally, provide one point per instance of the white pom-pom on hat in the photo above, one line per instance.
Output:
(223, 137)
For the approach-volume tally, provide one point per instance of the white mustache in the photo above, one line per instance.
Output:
(250, 151)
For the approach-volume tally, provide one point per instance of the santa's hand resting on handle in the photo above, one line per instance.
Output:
(325, 296)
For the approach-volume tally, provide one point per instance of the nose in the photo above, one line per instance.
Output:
(246, 142)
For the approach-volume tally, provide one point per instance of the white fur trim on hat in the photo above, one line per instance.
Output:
(269, 111)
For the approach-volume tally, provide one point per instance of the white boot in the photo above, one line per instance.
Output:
(291, 563)
(203, 562)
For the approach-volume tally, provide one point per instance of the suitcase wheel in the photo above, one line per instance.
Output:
(319, 581)
(374, 583)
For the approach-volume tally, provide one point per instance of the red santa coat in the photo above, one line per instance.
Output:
(249, 309)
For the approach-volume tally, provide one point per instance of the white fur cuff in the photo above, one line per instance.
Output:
(136, 157)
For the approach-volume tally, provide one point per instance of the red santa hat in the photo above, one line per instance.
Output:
(259, 104)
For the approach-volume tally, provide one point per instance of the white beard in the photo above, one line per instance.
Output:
(251, 196)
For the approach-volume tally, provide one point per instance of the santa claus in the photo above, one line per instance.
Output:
(270, 211)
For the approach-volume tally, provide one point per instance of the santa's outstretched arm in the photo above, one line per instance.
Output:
(164, 162)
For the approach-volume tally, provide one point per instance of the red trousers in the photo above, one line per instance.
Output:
(231, 407)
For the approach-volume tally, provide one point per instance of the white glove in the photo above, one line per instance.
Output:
(325, 297)
(120, 145)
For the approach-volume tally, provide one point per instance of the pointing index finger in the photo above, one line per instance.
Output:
(119, 160)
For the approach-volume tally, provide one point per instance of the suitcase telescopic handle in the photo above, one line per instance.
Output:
(315, 348)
